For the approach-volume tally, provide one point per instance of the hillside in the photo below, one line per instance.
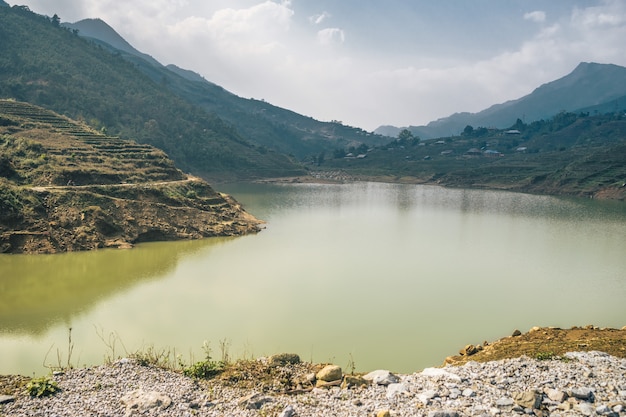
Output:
(51, 66)
(590, 87)
(570, 154)
(259, 122)
(65, 187)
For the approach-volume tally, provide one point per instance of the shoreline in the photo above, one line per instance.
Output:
(581, 382)
(340, 177)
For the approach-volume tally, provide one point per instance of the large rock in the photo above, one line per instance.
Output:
(528, 399)
(329, 373)
(381, 377)
(283, 359)
(142, 401)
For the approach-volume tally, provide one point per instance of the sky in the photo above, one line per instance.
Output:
(367, 63)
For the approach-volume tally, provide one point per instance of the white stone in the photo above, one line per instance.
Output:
(438, 372)
(381, 377)
(395, 389)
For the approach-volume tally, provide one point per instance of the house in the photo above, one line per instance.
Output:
(521, 149)
(513, 132)
(491, 152)
(474, 152)
(447, 152)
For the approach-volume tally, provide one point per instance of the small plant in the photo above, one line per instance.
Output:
(351, 364)
(207, 368)
(544, 356)
(42, 387)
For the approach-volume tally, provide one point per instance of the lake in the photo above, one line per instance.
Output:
(379, 275)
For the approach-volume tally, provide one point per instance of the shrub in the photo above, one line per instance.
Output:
(42, 387)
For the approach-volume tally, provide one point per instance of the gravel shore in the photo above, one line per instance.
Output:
(577, 384)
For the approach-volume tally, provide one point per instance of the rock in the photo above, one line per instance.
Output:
(283, 359)
(6, 399)
(556, 395)
(586, 409)
(288, 412)
(383, 413)
(585, 394)
(354, 381)
(505, 402)
(468, 393)
(534, 329)
(516, 333)
(468, 350)
(443, 414)
(438, 372)
(426, 396)
(329, 373)
(142, 401)
(527, 399)
(253, 401)
(395, 389)
(381, 377)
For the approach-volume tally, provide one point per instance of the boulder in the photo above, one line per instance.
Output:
(528, 399)
(395, 389)
(329, 373)
(142, 401)
(283, 359)
(585, 394)
(381, 377)
(468, 350)
(556, 395)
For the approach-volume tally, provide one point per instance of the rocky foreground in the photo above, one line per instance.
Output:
(576, 384)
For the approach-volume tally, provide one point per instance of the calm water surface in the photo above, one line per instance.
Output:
(388, 276)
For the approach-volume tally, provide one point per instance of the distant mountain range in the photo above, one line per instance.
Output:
(591, 87)
(267, 125)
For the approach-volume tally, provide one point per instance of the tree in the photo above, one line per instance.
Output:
(405, 135)
(468, 130)
(56, 20)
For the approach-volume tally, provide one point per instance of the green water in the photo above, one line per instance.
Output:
(387, 276)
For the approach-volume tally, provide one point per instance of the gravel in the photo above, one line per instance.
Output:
(578, 384)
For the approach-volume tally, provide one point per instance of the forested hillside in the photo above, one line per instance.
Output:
(48, 65)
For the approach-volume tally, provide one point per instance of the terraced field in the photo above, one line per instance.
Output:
(65, 187)
(78, 154)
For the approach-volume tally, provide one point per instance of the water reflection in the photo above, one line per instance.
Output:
(40, 291)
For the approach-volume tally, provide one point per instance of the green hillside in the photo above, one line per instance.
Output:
(569, 154)
(45, 64)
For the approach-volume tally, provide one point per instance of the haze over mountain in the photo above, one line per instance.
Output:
(258, 121)
(590, 87)
(51, 66)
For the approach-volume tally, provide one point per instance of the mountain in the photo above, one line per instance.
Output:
(260, 122)
(48, 65)
(66, 187)
(98, 30)
(591, 86)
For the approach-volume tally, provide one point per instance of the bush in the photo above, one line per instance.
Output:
(42, 387)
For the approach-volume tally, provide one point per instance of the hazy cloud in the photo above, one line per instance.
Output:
(536, 16)
(331, 36)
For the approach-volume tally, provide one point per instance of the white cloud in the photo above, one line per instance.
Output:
(536, 16)
(319, 18)
(330, 36)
